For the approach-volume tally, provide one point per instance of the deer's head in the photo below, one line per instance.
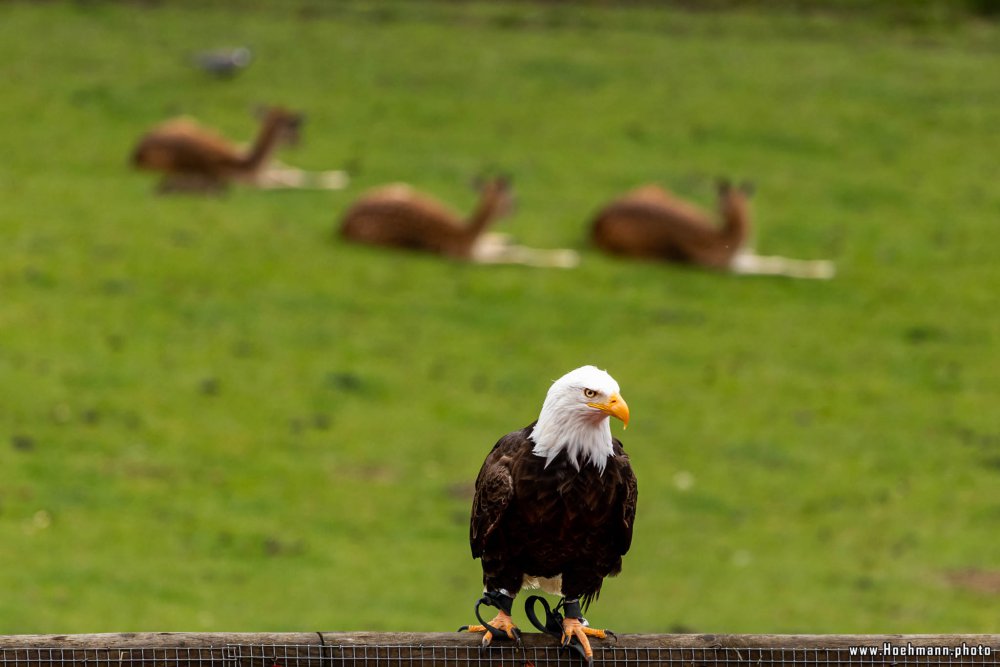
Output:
(498, 192)
(285, 123)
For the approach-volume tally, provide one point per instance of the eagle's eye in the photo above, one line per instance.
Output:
(589, 393)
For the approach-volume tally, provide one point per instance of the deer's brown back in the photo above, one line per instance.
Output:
(401, 217)
(654, 224)
(182, 146)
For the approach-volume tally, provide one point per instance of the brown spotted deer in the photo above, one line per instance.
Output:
(193, 158)
(399, 216)
(651, 223)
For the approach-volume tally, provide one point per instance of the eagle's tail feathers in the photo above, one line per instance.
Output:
(585, 600)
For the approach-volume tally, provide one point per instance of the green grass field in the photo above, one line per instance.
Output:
(215, 416)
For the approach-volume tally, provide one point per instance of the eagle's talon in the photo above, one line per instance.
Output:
(573, 628)
(501, 626)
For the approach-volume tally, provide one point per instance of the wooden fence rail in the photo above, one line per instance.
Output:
(342, 649)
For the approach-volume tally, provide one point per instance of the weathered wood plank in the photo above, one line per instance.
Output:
(330, 649)
(157, 639)
(220, 639)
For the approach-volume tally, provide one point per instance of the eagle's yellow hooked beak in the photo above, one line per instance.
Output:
(616, 407)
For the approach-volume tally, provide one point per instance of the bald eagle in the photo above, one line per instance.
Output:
(554, 505)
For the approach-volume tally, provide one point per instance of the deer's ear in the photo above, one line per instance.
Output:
(748, 188)
(506, 180)
(723, 185)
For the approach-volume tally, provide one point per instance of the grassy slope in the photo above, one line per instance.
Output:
(213, 417)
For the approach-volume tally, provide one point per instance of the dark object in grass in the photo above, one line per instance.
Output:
(223, 63)
(22, 442)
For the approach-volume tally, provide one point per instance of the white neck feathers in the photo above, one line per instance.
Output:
(568, 424)
(582, 440)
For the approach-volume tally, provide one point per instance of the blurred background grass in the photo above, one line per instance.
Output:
(214, 416)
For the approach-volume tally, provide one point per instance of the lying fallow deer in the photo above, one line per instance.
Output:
(651, 223)
(399, 216)
(193, 158)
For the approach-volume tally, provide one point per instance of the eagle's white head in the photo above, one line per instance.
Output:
(574, 418)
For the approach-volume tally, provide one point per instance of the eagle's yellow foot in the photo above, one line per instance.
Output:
(573, 627)
(503, 623)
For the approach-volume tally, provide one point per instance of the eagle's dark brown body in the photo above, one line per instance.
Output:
(542, 522)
